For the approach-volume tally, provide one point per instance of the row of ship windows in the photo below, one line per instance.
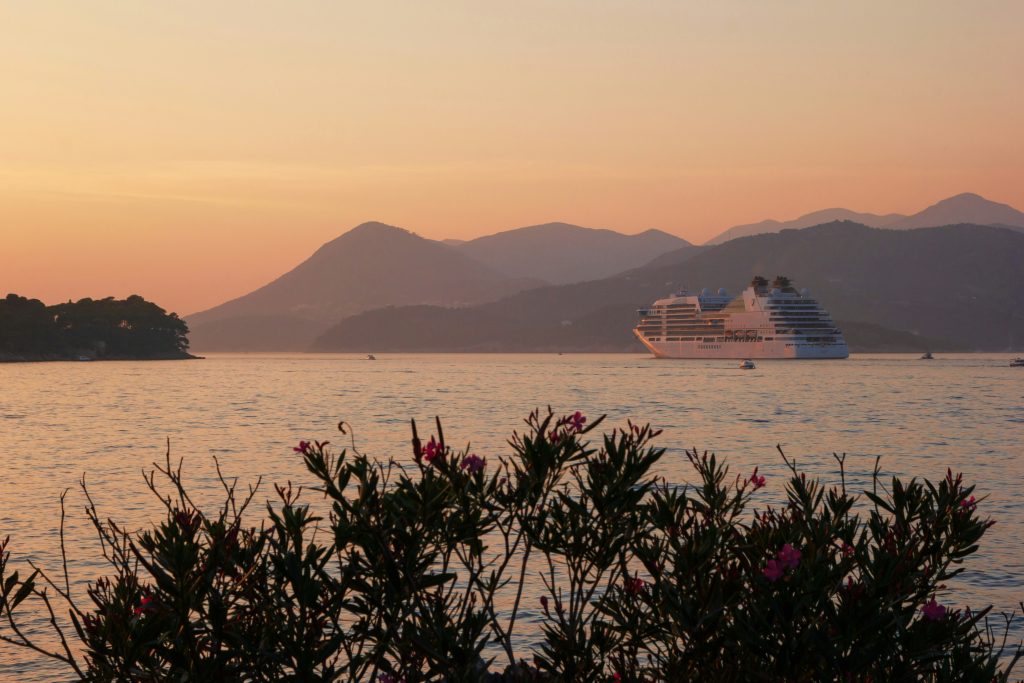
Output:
(718, 340)
(745, 340)
(717, 343)
(704, 330)
(790, 315)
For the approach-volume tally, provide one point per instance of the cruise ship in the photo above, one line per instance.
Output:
(763, 322)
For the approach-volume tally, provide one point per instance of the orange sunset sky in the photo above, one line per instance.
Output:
(192, 151)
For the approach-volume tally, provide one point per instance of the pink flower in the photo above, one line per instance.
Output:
(773, 570)
(554, 437)
(634, 586)
(933, 611)
(969, 504)
(757, 481)
(847, 549)
(473, 463)
(145, 605)
(789, 556)
(577, 420)
(302, 447)
(616, 677)
(432, 450)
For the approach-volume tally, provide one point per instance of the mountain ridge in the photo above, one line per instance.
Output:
(894, 279)
(370, 265)
(561, 253)
(963, 208)
(375, 264)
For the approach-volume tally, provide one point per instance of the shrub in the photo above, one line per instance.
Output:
(417, 571)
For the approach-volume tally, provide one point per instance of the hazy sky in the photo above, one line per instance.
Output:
(191, 151)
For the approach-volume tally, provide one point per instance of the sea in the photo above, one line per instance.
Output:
(107, 422)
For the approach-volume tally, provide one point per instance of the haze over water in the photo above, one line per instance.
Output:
(110, 421)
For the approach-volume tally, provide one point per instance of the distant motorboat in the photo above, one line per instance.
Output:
(927, 356)
(1017, 363)
(747, 364)
(370, 356)
(85, 358)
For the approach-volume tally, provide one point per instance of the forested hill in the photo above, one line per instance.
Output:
(955, 287)
(90, 329)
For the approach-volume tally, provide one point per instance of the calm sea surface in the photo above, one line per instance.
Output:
(110, 421)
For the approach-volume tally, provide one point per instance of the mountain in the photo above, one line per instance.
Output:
(964, 208)
(807, 221)
(958, 286)
(370, 266)
(960, 209)
(561, 253)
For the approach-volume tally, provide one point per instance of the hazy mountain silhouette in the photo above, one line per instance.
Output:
(964, 208)
(807, 221)
(561, 253)
(370, 266)
(960, 209)
(954, 286)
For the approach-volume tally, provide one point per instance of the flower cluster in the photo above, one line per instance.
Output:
(411, 574)
(756, 481)
(473, 463)
(146, 604)
(634, 585)
(787, 558)
(566, 426)
(933, 611)
(432, 451)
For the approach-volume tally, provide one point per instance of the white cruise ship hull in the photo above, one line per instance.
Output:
(762, 322)
(746, 349)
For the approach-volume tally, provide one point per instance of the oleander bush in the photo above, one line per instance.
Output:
(426, 570)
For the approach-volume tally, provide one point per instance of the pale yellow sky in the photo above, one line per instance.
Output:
(192, 151)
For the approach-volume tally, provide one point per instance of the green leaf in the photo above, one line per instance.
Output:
(431, 580)
(25, 590)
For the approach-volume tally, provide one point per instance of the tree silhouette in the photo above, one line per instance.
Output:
(95, 328)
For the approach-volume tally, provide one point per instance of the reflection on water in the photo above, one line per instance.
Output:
(111, 420)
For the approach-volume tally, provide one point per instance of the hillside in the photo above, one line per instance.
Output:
(370, 266)
(90, 329)
(966, 208)
(806, 221)
(963, 284)
(560, 253)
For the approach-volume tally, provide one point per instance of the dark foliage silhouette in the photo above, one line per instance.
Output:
(416, 571)
(93, 328)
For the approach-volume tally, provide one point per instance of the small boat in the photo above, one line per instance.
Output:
(370, 356)
(1017, 363)
(927, 356)
(747, 364)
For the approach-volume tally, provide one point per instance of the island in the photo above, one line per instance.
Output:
(90, 329)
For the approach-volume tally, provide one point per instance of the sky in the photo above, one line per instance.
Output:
(192, 151)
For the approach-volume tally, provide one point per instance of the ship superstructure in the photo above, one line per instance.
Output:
(765, 321)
